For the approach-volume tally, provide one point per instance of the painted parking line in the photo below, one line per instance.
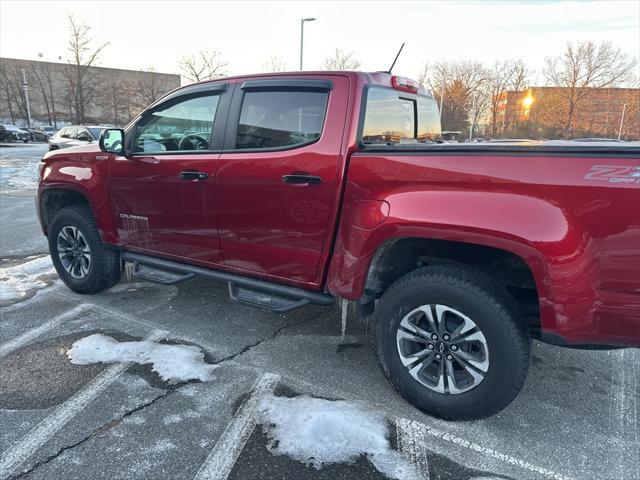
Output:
(419, 432)
(23, 449)
(410, 440)
(623, 412)
(222, 458)
(27, 337)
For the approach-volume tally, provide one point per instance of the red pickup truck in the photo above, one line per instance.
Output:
(313, 187)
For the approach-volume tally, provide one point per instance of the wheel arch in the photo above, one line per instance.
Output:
(52, 198)
(519, 270)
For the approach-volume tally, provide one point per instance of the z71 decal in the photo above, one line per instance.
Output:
(614, 174)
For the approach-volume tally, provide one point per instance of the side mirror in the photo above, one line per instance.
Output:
(84, 137)
(112, 141)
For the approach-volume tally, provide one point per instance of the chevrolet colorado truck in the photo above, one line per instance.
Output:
(319, 187)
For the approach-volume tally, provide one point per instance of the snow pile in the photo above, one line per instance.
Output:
(22, 178)
(175, 363)
(20, 281)
(317, 431)
(19, 168)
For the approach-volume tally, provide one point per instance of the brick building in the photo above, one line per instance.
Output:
(111, 96)
(541, 112)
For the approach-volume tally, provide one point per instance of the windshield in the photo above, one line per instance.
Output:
(393, 117)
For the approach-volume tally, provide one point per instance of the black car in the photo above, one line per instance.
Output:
(16, 134)
(37, 135)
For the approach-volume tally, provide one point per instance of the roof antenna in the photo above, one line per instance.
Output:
(396, 59)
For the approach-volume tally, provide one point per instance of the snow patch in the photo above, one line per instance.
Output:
(22, 280)
(317, 432)
(162, 446)
(137, 420)
(175, 363)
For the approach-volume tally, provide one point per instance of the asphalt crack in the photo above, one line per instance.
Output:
(267, 338)
(105, 427)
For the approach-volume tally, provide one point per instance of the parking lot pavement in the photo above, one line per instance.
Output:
(576, 417)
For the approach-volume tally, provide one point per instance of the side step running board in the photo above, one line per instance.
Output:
(255, 298)
(257, 293)
(160, 276)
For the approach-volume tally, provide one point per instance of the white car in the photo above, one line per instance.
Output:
(74, 136)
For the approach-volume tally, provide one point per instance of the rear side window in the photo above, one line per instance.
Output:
(95, 132)
(394, 117)
(429, 129)
(278, 119)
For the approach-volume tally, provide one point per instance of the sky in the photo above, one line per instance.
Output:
(159, 32)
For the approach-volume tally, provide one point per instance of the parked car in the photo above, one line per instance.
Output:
(16, 134)
(36, 135)
(74, 136)
(327, 187)
(49, 130)
(4, 135)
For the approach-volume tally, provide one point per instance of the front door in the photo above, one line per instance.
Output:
(278, 177)
(163, 194)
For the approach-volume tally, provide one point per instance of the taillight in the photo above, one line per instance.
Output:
(404, 84)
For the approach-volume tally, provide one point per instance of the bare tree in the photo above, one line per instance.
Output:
(479, 106)
(520, 77)
(341, 60)
(115, 98)
(275, 64)
(11, 78)
(148, 88)
(505, 75)
(206, 65)
(583, 66)
(458, 82)
(6, 95)
(83, 56)
(423, 76)
(44, 77)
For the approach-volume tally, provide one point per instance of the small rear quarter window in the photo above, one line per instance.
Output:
(393, 117)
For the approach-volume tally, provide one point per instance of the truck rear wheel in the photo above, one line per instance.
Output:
(452, 342)
(82, 261)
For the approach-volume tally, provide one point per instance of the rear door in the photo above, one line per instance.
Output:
(277, 182)
(164, 193)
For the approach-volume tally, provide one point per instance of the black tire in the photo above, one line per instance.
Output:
(496, 316)
(104, 268)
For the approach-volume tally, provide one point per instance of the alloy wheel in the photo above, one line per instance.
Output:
(74, 252)
(443, 349)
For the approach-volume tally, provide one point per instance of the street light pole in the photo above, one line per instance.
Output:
(302, 20)
(624, 107)
(25, 87)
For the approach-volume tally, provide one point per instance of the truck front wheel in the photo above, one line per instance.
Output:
(82, 261)
(452, 342)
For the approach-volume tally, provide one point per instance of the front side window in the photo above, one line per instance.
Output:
(182, 126)
(279, 119)
(394, 117)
